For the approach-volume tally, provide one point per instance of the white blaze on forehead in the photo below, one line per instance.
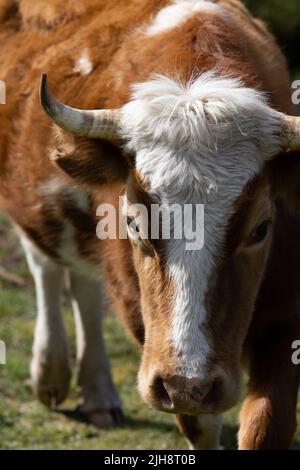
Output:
(83, 65)
(198, 143)
(179, 12)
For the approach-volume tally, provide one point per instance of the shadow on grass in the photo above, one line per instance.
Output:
(73, 415)
(137, 423)
(128, 422)
(229, 433)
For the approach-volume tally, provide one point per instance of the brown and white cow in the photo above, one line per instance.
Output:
(192, 105)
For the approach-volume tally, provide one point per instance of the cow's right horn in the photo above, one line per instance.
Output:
(96, 124)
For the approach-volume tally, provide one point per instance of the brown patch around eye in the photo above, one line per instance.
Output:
(138, 190)
(260, 233)
(137, 193)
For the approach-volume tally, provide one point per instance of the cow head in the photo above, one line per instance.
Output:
(201, 145)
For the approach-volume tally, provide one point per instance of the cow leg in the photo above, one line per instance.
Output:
(268, 415)
(101, 403)
(50, 370)
(201, 432)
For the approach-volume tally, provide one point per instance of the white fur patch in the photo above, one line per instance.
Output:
(178, 13)
(83, 65)
(198, 143)
(50, 364)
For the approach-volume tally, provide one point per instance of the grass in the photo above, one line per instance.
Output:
(26, 424)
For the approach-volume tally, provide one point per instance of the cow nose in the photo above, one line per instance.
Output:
(179, 394)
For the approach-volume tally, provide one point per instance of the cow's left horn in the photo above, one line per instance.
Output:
(291, 132)
(96, 124)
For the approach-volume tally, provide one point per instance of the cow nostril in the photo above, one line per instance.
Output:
(214, 395)
(197, 393)
(161, 393)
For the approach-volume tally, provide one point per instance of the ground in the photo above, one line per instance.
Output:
(26, 424)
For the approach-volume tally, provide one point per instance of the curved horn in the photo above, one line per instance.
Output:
(97, 124)
(291, 131)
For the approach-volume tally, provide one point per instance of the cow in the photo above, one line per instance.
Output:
(164, 102)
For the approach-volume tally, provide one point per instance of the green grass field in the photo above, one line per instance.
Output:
(26, 424)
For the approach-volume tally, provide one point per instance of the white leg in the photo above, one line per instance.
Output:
(50, 370)
(202, 432)
(210, 428)
(100, 400)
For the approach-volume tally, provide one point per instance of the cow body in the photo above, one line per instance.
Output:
(94, 52)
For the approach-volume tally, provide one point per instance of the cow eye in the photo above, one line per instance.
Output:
(261, 232)
(134, 233)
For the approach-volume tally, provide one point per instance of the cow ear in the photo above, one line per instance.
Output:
(91, 163)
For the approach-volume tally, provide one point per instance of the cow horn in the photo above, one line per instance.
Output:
(291, 132)
(96, 124)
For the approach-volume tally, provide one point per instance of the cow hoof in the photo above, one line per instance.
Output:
(104, 419)
(50, 379)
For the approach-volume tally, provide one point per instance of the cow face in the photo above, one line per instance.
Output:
(197, 304)
(203, 146)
